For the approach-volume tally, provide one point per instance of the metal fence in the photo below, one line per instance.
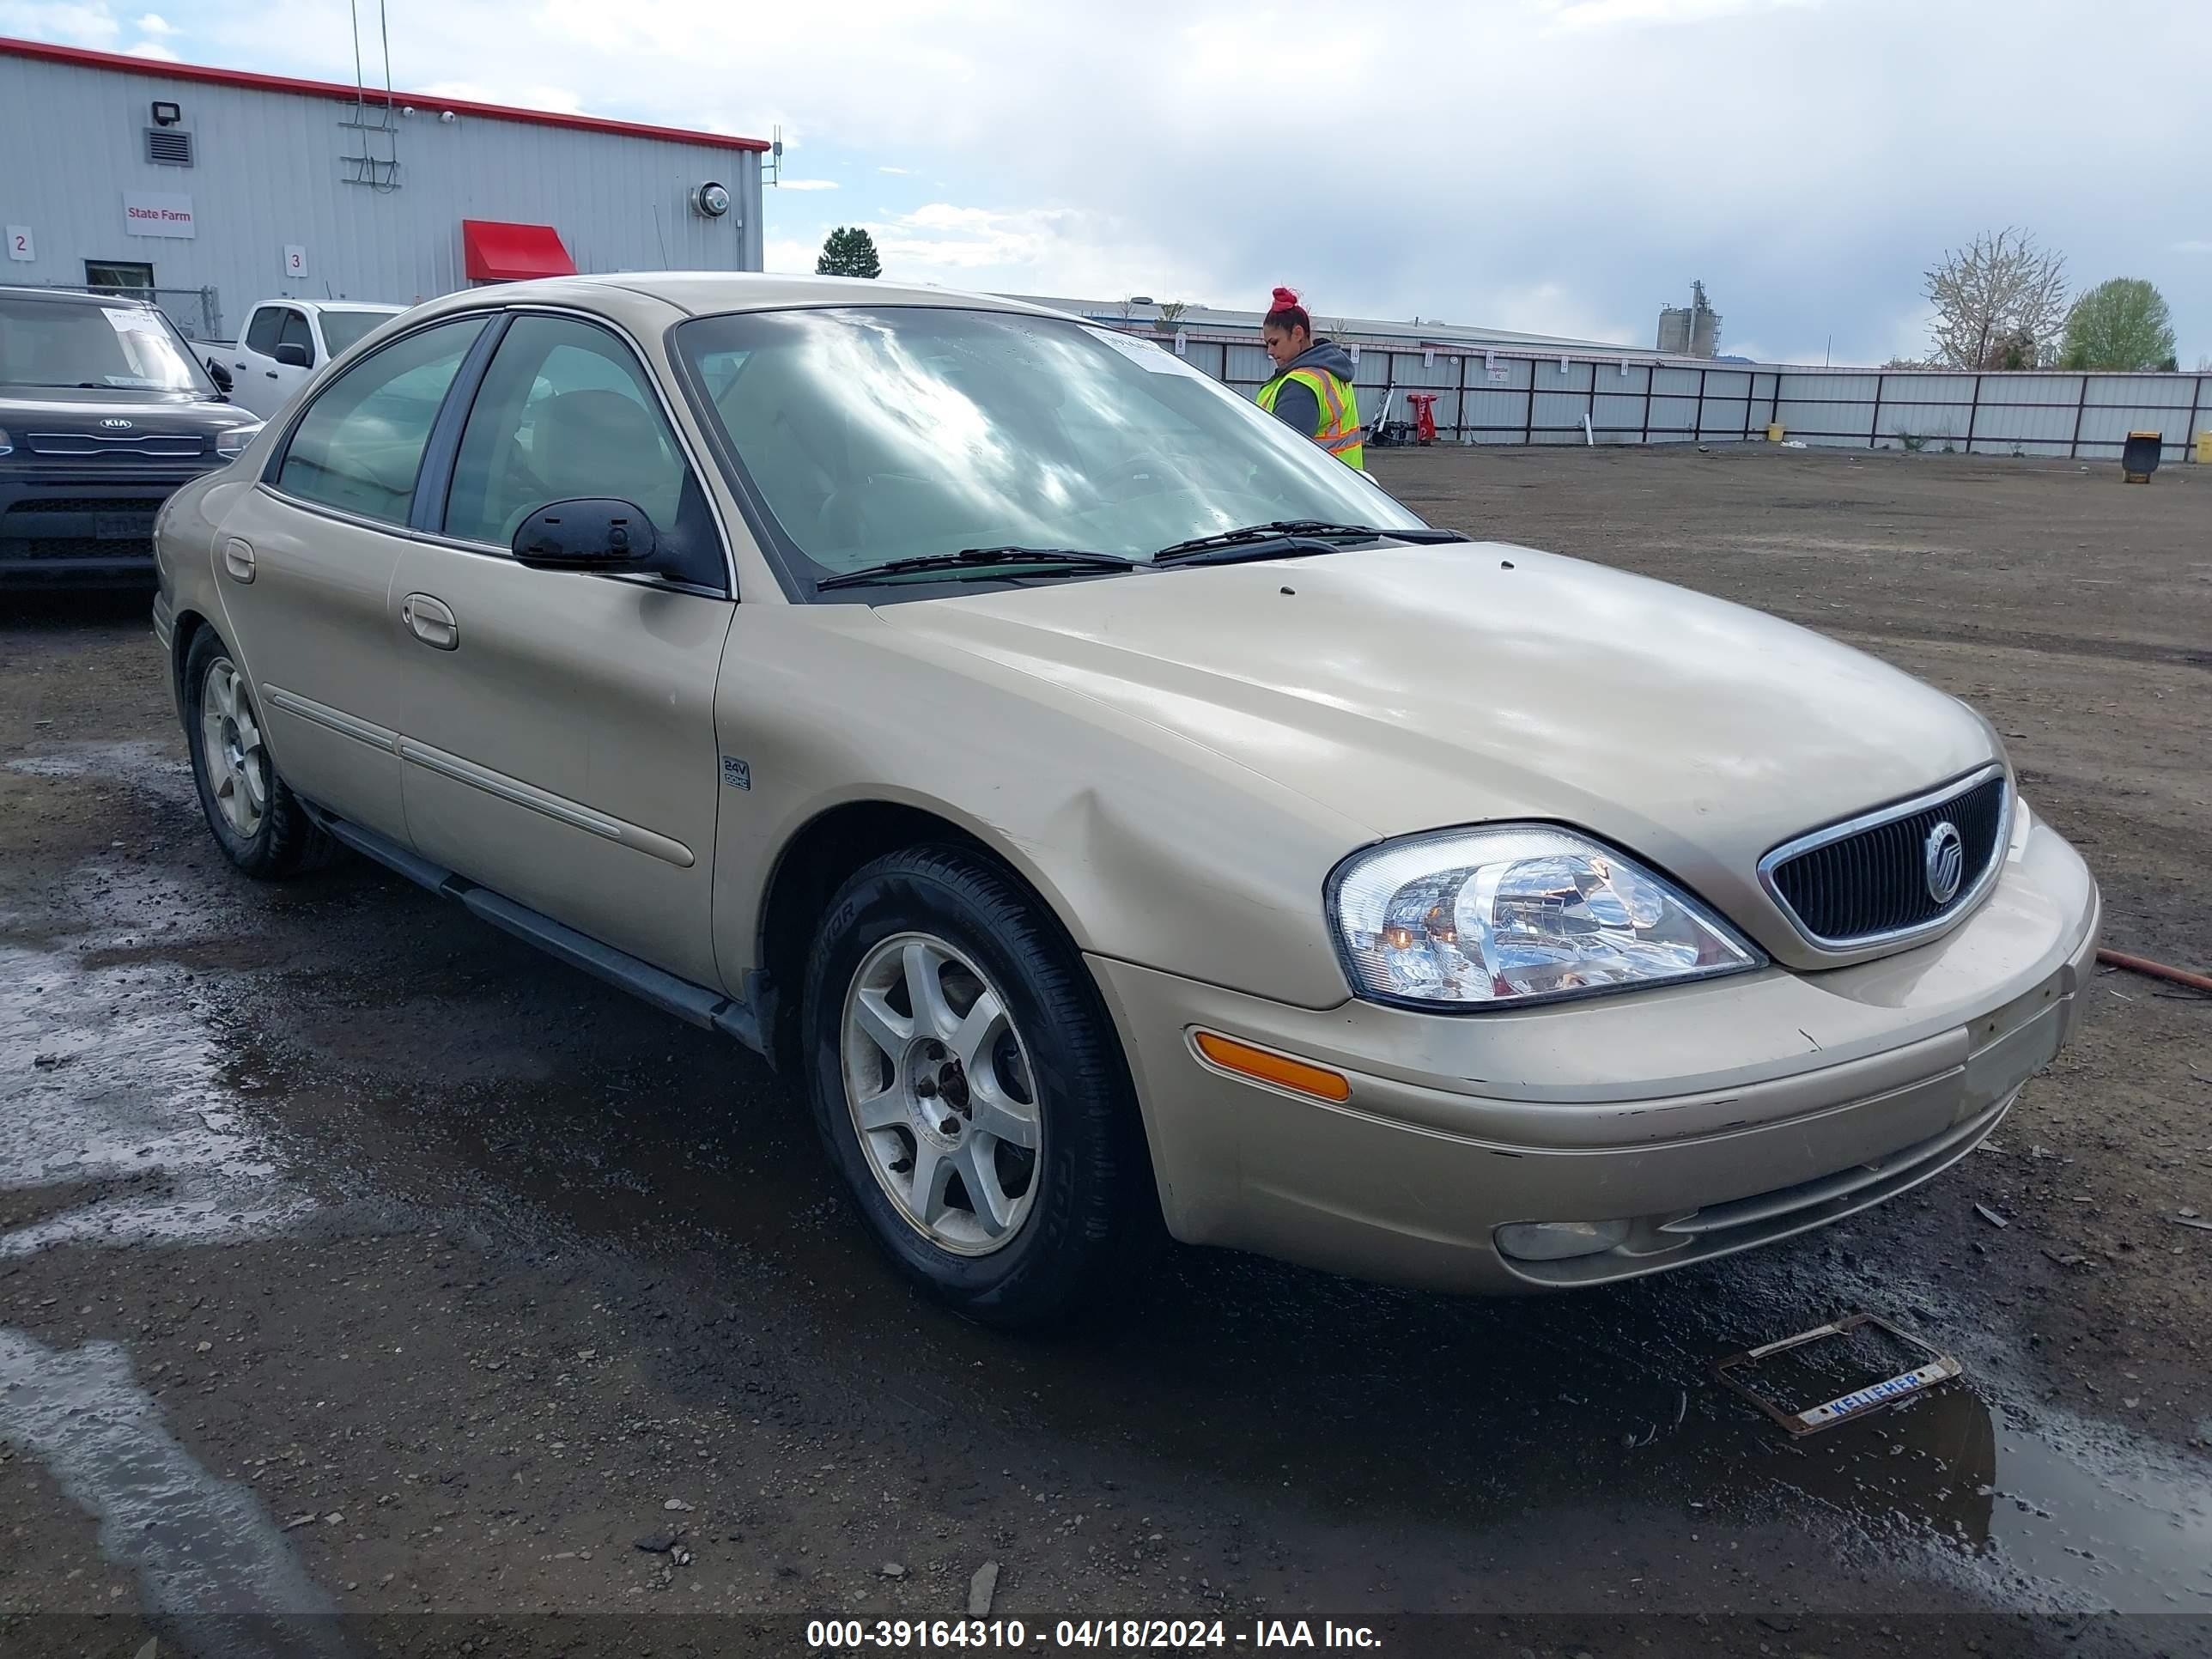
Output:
(196, 312)
(1520, 396)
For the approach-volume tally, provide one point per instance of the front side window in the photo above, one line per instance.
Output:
(360, 444)
(884, 433)
(295, 333)
(262, 333)
(45, 342)
(565, 410)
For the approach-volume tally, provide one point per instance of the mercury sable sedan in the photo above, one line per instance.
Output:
(1122, 818)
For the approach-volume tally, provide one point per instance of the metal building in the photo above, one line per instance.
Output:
(216, 188)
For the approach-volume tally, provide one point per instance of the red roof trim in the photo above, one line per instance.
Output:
(222, 77)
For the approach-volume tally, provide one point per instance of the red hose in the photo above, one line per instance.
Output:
(2156, 970)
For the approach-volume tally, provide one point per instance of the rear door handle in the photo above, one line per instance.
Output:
(238, 559)
(270, 373)
(430, 622)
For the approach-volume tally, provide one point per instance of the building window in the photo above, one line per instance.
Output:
(114, 273)
(168, 147)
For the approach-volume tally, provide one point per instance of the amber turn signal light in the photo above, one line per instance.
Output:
(1277, 1069)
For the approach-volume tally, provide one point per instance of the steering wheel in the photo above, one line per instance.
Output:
(1148, 467)
(841, 508)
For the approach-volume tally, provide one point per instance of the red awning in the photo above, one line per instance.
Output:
(499, 253)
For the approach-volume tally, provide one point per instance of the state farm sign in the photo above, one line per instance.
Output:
(145, 214)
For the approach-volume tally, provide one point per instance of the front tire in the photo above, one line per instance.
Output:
(258, 823)
(971, 1088)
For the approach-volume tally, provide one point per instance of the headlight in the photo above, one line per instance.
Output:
(231, 443)
(1519, 914)
(7, 443)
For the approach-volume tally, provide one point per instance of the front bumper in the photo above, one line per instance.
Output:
(1708, 1117)
(89, 531)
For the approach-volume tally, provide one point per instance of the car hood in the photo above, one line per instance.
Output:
(73, 409)
(1416, 688)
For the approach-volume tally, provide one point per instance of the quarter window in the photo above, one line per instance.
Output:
(565, 411)
(360, 445)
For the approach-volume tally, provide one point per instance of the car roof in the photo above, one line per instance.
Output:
(705, 293)
(72, 296)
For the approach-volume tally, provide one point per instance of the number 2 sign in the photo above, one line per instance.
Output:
(296, 259)
(20, 246)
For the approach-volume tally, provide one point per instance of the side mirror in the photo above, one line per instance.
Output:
(293, 354)
(595, 534)
(220, 376)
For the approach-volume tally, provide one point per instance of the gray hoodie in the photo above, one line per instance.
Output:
(1296, 406)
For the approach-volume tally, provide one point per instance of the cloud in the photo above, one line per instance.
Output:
(1616, 14)
(808, 183)
(69, 23)
(1576, 164)
(153, 23)
(154, 50)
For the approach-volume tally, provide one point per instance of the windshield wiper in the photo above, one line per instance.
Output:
(1066, 560)
(1292, 536)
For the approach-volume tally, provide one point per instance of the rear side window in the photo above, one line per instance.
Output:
(360, 444)
(295, 333)
(262, 333)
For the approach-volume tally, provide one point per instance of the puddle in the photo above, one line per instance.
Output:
(210, 1561)
(112, 1079)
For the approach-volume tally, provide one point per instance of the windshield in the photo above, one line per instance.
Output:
(46, 343)
(341, 329)
(908, 432)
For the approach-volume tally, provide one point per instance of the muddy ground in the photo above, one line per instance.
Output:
(358, 1265)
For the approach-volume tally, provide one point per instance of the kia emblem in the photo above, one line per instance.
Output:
(116, 423)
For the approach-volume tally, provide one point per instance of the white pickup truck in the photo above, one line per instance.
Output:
(284, 342)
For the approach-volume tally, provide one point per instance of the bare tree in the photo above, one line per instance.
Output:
(1999, 303)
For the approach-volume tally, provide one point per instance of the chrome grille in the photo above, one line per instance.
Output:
(1868, 881)
(166, 445)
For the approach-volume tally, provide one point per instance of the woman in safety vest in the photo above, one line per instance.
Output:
(1312, 388)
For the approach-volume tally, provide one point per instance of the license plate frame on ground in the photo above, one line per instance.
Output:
(1939, 1367)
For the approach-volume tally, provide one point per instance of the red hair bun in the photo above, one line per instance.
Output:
(1284, 299)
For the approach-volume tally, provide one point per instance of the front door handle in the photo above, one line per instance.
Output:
(431, 622)
(270, 373)
(238, 559)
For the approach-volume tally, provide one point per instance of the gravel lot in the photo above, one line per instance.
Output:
(358, 1263)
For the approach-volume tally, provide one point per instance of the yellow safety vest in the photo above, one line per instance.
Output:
(1340, 432)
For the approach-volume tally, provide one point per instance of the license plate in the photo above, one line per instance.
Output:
(122, 527)
(1833, 1345)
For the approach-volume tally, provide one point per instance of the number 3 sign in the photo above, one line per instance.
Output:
(296, 259)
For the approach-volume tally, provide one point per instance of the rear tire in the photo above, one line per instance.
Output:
(256, 820)
(970, 1088)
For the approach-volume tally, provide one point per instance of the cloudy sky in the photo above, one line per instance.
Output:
(1563, 166)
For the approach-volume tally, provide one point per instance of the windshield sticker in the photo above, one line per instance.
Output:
(1147, 356)
(133, 322)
